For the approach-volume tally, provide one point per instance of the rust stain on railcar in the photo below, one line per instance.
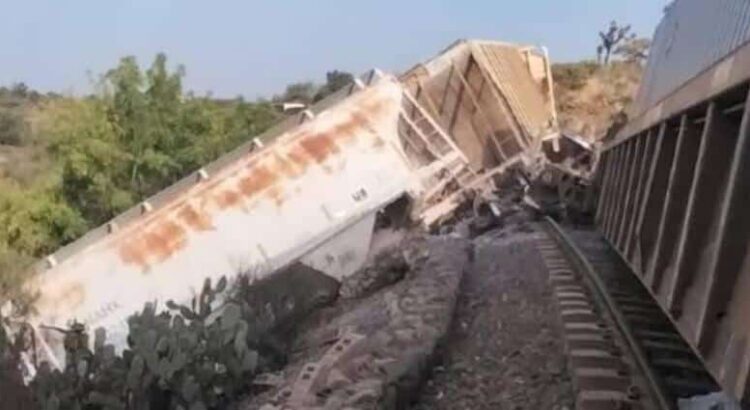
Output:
(287, 167)
(163, 235)
(197, 220)
(260, 179)
(228, 199)
(320, 147)
(298, 156)
(155, 245)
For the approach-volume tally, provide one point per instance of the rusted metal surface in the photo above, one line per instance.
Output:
(674, 195)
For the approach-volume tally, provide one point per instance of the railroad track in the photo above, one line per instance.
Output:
(623, 352)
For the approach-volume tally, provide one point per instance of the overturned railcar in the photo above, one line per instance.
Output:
(310, 196)
(675, 197)
(313, 194)
(495, 100)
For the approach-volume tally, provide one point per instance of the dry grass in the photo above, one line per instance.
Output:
(590, 97)
(25, 165)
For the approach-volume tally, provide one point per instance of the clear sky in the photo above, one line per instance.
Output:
(254, 48)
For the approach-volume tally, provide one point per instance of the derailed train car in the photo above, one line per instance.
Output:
(675, 197)
(312, 195)
(496, 102)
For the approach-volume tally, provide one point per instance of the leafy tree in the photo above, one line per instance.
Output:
(34, 222)
(308, 92)
(610, 39)
(335, 80)
(19, 90)
(141, 106)
(251, 119)
(142, 133)
(299, 92)
(95, 166)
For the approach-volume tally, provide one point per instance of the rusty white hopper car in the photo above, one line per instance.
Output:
(675, 189)
(311, 195)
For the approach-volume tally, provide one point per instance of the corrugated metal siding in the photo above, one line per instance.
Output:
(688, 233)
(692, 37)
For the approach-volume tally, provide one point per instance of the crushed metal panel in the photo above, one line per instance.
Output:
(493, 98)
(265, 208)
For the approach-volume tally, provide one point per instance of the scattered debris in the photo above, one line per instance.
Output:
(389, 267)
(374, 351)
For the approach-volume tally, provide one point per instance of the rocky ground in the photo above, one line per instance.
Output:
(374, 347)
(445, 322)
(506, 350)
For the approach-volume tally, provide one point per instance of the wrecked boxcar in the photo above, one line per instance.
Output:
(496, 101)
(414, 145)
(674, 190)
(311, 195)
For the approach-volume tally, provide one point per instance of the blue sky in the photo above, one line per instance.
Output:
(253, 48)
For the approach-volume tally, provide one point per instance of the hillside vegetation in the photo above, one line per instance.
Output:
(591, 96)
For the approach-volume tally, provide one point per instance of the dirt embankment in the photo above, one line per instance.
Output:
(590, 97)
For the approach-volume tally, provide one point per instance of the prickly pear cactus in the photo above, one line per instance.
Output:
(187, 357)
(12, 388)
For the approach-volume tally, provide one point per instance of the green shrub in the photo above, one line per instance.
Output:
(188, 357)
(11, 127)
(35, 221)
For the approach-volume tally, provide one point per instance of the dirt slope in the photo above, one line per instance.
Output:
(590, 97)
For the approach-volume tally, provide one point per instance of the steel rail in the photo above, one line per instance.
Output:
(657, 390)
